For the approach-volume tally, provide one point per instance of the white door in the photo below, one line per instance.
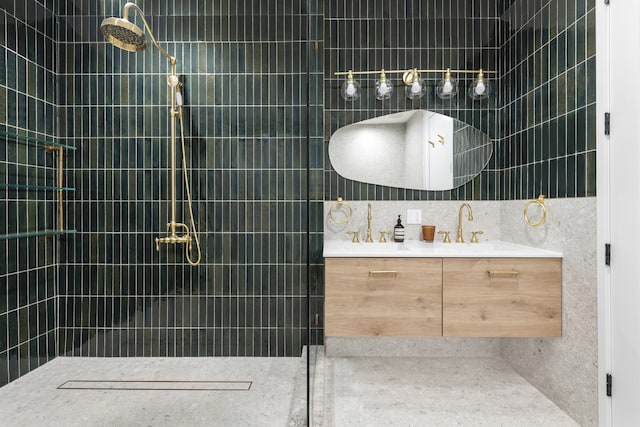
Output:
(622, 327)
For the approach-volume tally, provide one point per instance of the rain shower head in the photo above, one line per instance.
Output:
(124, 34)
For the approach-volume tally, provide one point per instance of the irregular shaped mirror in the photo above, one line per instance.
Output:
(417, 149)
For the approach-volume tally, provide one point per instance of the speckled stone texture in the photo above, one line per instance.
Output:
(411, 347)
(564, 369)
(34, 400)
(436, 392)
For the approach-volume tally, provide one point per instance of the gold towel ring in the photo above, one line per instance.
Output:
(540, 202)
(337, 206)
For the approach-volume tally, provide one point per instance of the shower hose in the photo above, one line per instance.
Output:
(191, 261)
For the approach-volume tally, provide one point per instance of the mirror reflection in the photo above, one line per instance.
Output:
(417, 149)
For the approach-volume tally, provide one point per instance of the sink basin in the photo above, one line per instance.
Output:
(421, 249)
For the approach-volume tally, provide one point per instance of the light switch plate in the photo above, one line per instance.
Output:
(414, 216)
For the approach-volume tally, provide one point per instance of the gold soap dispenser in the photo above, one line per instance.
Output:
(398, 231)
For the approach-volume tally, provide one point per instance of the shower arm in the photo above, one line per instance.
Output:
(125, 15)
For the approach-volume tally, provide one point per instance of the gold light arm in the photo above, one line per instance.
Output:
(344, 73)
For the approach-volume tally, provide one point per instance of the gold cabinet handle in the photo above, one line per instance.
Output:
(503, 273)
(372, 272)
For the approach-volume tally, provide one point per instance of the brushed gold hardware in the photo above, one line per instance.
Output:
(503, 273)
(382, 239)
(60, 151)
(460, 239)
(474, 236)
(369, 239)
(441, 139)
(336, 207)
(433, 144)
(540, 202)
(446, 239)
(407, 73)
(355, 236)
(373, 272)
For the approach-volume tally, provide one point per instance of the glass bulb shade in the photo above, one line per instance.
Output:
(416, 89)
(447, 88)
(384, 89)
(479, 89)
(350, 90)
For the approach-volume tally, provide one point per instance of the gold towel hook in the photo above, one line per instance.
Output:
(336, 207)
(540, 202)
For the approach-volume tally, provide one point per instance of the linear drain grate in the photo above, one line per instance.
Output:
(157, 385)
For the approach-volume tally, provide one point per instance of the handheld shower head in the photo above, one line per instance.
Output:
(124, 34)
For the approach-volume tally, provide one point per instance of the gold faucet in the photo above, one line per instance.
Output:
(460, 239)
(369, 239)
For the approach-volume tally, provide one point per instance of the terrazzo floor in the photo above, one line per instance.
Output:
(35, 400)
(391, 391)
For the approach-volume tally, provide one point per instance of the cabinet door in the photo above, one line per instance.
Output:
(503, 297)
(383, 297)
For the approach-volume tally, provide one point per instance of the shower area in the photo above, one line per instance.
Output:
(112, 279)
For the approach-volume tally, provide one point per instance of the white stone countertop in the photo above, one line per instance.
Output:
(421, 249)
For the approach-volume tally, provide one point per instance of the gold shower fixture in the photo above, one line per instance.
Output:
(415, 86)
(126, 35)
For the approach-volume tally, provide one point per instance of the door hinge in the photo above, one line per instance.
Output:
(607, 123)
(609, 384)
(607, 254)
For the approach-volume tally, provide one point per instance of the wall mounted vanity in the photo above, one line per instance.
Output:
(489, 289)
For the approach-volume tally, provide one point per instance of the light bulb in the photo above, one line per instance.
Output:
(448, 87)
(416, 87)
(350, 88)
(384, 87)
(480, 87)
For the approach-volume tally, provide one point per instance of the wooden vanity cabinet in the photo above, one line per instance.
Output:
(502, 297)
(383, 297)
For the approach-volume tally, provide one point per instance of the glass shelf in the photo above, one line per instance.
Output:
(45, 233)
(34, 187)
(35, 141)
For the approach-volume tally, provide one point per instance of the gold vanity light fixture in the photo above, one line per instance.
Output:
(124, 34)
(415, 85)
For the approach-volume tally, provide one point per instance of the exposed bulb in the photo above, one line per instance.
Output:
(179, 98)
(447, 87)
(416, 87)
(383, 89)
(480, 88)
(350, 88)
(173, 80)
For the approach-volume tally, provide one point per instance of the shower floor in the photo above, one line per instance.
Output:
(154, 392)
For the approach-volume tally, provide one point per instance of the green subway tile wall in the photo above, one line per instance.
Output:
(244, 69)
(548, 120)
(27, 187)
